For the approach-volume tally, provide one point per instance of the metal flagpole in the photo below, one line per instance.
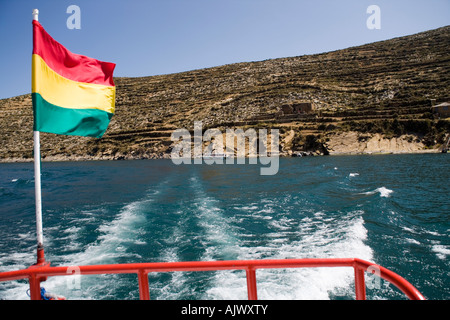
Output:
(37, 183)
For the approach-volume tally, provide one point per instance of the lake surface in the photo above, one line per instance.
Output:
(393, 210)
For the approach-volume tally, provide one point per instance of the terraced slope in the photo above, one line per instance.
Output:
(383, 88)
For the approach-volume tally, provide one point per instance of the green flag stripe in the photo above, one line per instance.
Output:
(66, 121)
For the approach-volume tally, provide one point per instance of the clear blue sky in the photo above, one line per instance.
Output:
(151, 37)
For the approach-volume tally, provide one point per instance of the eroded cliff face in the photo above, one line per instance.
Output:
(359, 143)
(381, 88)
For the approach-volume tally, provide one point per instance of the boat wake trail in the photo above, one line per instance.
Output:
(277, 228)
(314, 236)
(200, 232)
(99, 236)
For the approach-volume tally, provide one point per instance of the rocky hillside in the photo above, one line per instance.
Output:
(381, 90)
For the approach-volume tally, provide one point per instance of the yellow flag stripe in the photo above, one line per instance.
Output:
(67, 93)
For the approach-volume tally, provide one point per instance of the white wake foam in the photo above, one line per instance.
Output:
(383, 191)
(317, 236)
(441, 251)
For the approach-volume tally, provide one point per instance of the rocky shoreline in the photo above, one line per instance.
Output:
(88, 158)
(344, 143)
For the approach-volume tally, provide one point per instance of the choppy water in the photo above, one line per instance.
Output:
(392, 210)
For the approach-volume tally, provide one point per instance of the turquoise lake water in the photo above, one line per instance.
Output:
(393, 210)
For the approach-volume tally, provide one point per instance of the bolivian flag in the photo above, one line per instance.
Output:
(72, 94)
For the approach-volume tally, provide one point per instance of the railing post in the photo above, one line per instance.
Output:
(251, 284)
(144, 290)
(35, 287)
(360, 283)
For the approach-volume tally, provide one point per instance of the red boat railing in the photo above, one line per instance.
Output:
(40, 272)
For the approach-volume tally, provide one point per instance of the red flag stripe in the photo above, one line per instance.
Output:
(70, 65)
